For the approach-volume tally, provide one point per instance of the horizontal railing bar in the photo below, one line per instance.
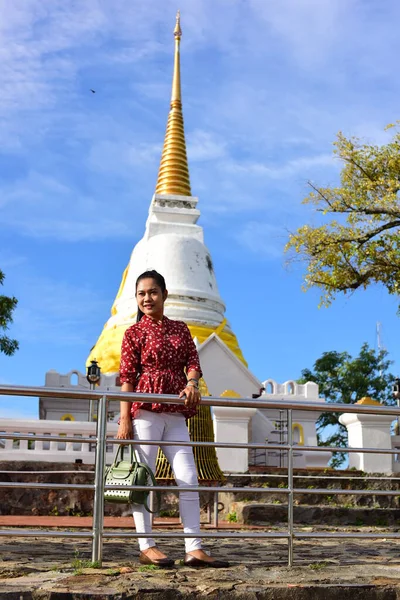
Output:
(44, 472)
(32, 485)
(285, 403)
(342, 492)
(172, 488)
(256, 490)
(349, 478)
(175, 488)
(203, 534)
(346, 449)
(251, 446)
(139, 488)
(284, 475)
(123, 534)
(350, 535)
(114, 441)
(44, 533)
(236, 490)
(49, 438)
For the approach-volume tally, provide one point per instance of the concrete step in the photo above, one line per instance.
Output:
(250, 513)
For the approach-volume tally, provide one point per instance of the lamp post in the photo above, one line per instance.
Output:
(396, 396)
(93, 376)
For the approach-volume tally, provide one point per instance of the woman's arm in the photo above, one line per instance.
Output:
(194, 375)
(130, 363)
(193, 371)
(125, 431)
(191, 391)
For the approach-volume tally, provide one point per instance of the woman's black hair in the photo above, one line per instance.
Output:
(160, 281)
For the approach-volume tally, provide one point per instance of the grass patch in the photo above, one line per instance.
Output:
(318, 565)
(168, 513)
(79, 563)
(145, 568)
(112, 572)
(232, 517)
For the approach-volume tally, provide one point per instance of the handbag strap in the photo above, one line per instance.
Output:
(158, 494)
(119, 455)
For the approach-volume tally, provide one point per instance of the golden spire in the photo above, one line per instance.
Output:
(173, 175)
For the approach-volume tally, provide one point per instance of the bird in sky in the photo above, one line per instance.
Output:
(93, 91)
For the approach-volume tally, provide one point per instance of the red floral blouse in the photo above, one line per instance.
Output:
(154, 356)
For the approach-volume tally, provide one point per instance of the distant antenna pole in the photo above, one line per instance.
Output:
(379, 341)
(379, 335)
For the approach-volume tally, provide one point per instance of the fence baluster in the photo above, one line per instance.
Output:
(98, 505)
(290, 485)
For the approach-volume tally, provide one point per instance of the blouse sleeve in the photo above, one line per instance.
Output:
(192, 360)
(130, 359)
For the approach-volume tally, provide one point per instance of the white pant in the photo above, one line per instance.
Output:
(172, 427)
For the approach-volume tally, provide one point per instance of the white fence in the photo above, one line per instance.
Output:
(69, 452)
(66, 452)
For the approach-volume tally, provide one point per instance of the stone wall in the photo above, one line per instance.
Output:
(25, 501)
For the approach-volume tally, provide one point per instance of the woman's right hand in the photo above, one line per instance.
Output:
(125, 429)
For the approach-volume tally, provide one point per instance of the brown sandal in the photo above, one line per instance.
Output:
(158, 562)
(192, 561)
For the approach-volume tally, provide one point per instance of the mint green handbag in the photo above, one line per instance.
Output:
(128, 472)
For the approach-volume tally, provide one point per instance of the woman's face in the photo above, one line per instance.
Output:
(150, 298)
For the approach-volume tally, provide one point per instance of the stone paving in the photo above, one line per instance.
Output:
(49, 568)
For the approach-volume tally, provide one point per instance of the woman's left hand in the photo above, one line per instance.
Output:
(192, 394)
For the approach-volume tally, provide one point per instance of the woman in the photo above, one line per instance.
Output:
(155, 353)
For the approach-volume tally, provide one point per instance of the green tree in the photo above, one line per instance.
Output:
(360, 245)
(7, 305)
(343, 379)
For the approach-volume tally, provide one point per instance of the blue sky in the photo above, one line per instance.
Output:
(266, 87)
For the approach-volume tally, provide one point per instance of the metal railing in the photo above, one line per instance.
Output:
(97, 533)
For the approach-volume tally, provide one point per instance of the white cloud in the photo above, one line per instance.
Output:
(41, 206)
(310, 28)
(303, 165)
(263, 83)
(263, 239)
(68, 230)
(204, 145)
(120, 156)
(56, 311)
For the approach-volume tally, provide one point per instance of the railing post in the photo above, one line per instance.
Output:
(98, 505)
(216, 496)
(290, 485)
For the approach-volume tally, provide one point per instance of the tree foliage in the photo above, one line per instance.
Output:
(360, 245)
(7, 305)
(343, 379)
